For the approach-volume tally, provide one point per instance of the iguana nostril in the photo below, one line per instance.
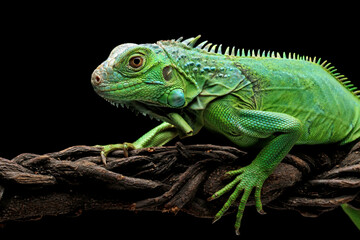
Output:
(96, 79)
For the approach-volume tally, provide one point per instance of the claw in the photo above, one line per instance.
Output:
(213, 197)
(258, 203)
(225, 177)
(262, 212)
(216, 218)
(103, 157)
(126, 153)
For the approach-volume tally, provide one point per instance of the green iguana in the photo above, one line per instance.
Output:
(263, 99)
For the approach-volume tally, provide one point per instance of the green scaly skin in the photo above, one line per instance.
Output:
(254, 99)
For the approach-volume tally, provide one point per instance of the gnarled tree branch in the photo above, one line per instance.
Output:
(174, 178)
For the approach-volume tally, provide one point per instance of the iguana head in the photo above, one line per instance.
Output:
(161, 79)
(141, 76)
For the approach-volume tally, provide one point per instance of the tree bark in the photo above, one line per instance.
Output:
(310, 180)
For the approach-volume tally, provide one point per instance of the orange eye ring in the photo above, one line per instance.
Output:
(136, 62)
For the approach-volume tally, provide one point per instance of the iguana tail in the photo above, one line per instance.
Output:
(353, 213)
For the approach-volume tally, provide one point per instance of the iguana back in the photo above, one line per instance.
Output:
(306, 90)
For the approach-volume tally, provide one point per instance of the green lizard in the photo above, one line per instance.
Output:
(263, 99)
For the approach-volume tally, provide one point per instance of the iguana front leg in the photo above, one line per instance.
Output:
(157, 136)
(245, 127)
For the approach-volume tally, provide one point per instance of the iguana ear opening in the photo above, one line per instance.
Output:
(167, 73)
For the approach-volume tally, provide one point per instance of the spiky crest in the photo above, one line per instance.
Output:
(211, 49)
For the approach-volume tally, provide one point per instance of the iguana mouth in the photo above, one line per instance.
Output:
(117, 87)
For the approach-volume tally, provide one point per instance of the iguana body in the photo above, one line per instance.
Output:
(254, 99)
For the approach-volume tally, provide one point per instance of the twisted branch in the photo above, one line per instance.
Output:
(174, 178)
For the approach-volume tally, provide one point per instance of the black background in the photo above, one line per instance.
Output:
(47, 102)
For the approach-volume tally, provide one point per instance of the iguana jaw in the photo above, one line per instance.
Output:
(159, 113)
(121, 93)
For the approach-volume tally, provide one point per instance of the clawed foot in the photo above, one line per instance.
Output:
(248, 178)
(106, 149)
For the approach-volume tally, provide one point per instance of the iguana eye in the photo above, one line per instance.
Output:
(136, 62)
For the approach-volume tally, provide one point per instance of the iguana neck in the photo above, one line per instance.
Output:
(209, 76)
